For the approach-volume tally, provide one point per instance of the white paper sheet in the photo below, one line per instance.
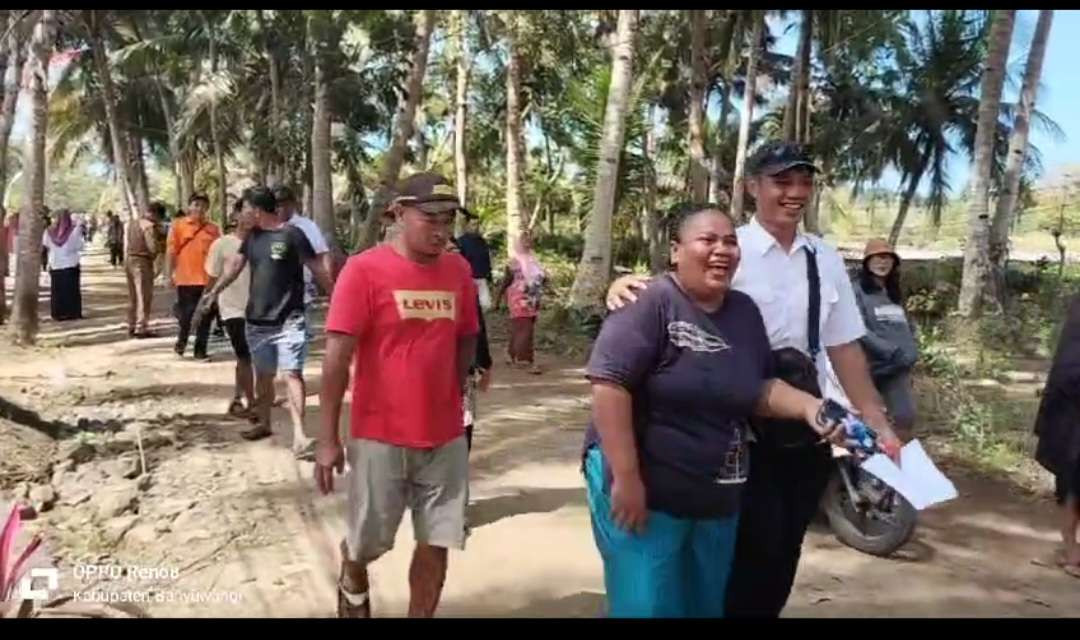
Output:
(917, 478)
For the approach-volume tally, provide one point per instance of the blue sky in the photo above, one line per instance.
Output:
(1058, 96)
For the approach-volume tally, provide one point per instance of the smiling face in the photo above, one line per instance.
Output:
(881, 265)
(782, 198)
(197, 209)
(705, 253)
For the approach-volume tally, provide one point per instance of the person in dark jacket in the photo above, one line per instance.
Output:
(889, 342)
(479, 377)
(476, 251)
(1058, 429)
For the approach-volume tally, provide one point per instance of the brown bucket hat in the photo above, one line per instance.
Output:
(877, 247)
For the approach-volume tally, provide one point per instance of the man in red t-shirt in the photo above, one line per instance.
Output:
(404, 310)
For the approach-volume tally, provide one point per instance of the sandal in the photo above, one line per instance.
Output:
(238, 410)
(306, 453)
(258, 432)
(351, 605)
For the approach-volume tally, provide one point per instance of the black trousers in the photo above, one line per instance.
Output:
(116, 254)
(187, 298)
(780, 500)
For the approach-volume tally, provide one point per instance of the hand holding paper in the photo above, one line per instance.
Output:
(917, 478)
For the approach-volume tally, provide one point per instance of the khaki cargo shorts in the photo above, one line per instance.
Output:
(384, 479)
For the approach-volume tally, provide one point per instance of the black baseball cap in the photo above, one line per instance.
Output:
(777, 157)
(429, 192)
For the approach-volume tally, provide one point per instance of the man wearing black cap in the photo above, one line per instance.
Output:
(402, 311)
(276, 325)
(789, 470)
(475, 249)
(289, 214)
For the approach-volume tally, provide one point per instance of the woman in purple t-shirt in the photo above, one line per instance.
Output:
(675, 379)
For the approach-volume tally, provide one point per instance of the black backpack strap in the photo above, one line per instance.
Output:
(813, 316)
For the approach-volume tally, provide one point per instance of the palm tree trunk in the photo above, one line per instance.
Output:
(174, 144)
(322, 200)
(25, 313)
(976, 283)
(141, 182)
(274, 170)
(594, 270)
(730, 35)
(461, 104)
(909, 196)
(796, 99)
(515, 137)
(805, 108)
(812, 219)
(121, 161)
(1006, 203)
(738, 187)
(14, 56)
(402, 132)
(699, 170)
(215, 132)
(188, 162)
(654, 232)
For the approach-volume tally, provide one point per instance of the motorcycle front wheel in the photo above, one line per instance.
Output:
(881, 522)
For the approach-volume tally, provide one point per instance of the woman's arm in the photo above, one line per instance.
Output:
(613, 418)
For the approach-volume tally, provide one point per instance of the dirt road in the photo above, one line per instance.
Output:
(242, 529)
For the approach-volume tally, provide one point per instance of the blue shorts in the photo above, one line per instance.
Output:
(678, 568)
(279, 347)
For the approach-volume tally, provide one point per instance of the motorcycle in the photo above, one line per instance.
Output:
(863, 512)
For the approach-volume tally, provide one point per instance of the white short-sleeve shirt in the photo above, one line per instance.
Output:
(64, 256)
(318, 243)
(777, 282)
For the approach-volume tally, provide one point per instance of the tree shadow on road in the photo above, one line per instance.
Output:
(491, 510)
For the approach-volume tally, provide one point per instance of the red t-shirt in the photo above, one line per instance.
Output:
(407, 318)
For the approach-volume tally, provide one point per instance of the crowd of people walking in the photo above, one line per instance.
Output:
(708, 448)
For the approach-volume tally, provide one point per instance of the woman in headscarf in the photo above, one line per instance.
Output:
(64, 242)
(1058, 428)
(523, 283)
(889, 343)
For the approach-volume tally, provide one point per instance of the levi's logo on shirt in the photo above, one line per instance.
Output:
(425, 305)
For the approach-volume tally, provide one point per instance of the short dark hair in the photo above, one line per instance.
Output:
(282, 193)
(681, 214)
(195, 197)
(157, 208)
(260, 197)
